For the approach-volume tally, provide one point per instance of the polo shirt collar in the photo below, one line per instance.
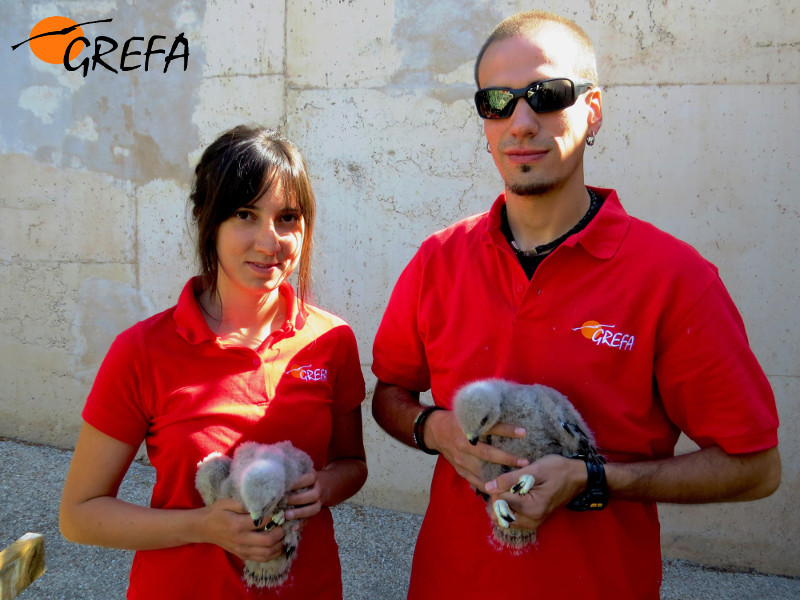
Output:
(295, 317)
(191, 325)
(601, 237)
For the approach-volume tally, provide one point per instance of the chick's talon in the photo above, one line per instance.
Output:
(524, 485)
(503, 513)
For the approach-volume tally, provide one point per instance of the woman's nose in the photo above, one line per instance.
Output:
(267, 239)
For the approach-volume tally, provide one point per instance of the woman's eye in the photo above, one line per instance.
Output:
(290, 218)
(242, 215)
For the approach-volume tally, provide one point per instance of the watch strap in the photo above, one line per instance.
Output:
(595, 497)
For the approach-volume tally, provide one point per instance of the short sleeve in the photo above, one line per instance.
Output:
(711, 383)
(398, 352)
(115, 404)
(349, 391)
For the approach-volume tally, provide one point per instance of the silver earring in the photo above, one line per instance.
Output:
(590, 139)
(488, 149)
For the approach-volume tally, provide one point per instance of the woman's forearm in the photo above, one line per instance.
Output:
(341, 479)
(114, 523)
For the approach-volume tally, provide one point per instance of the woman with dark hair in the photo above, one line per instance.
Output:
(239, 358)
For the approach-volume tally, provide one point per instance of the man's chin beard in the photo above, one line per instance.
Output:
(532, 188)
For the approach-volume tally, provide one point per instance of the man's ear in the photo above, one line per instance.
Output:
(594, 100)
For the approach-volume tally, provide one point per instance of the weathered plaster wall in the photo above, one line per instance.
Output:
(700, 137)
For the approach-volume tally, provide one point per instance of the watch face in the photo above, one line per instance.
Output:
(596, 500)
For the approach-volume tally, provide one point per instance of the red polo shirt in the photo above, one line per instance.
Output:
(170, 381)
(634, 326)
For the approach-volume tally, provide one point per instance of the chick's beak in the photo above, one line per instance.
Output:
(473, 438)
(257, 517)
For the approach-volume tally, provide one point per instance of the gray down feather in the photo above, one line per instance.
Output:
(551, 423)
(259, 476)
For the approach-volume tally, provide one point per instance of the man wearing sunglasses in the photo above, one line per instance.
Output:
(557, 285)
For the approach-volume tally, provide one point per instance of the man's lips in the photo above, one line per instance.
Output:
(524, 155)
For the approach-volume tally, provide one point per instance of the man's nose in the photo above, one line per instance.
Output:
(524, 120)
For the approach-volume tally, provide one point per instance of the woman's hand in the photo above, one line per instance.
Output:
(305, 501)
(227, 524)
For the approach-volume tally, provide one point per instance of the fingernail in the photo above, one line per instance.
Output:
(520, 431)
(289, 514)
(491, 486)
(522, 462)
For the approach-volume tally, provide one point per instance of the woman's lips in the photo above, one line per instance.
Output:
(262, 267)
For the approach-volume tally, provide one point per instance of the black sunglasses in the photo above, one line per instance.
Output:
(542, 96)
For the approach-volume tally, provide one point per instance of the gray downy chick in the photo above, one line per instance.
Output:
(212, 471)
(259, 477)
(275, 572)
(552, 426)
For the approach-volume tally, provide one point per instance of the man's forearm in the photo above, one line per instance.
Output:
(395, 408)
(708, 475)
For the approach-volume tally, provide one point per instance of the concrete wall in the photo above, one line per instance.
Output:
(700, 136)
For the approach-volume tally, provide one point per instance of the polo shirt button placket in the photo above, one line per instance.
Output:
(519, 295)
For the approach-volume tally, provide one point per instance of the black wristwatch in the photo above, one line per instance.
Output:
(596, 495)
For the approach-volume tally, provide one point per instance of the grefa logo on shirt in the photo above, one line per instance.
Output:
(307, 373)
(606, 335)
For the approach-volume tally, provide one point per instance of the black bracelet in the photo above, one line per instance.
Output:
(596, 495)
(419, 423)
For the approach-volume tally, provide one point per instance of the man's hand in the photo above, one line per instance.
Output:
(443, 433)
(557, 481)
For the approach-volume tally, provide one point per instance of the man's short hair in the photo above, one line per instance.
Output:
(536, 20)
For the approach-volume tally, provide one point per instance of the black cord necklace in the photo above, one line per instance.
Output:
(594, 206)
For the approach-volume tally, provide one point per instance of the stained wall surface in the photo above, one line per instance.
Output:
(700, 136)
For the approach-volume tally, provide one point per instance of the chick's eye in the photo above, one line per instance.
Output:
(484, 420)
